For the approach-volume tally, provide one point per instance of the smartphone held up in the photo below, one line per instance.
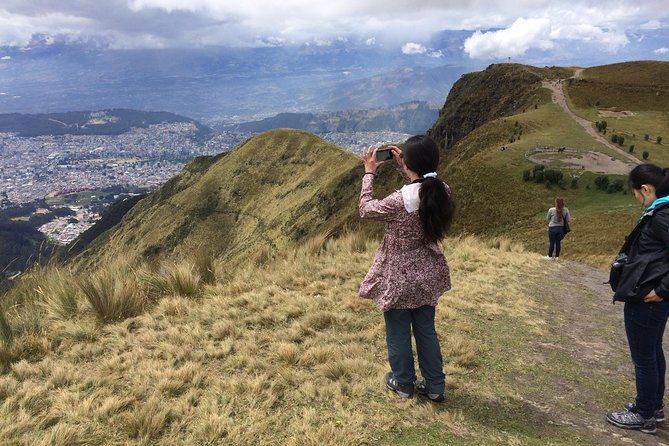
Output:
(384, 154)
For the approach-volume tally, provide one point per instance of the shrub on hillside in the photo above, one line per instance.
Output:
(540, 174)
(646, 137)
(632, 148)
(553, 176)
(659, 140)
(645, 155)
(601, 126)
(574, 183)
(602, 182)
(616, 186)
(614, 138)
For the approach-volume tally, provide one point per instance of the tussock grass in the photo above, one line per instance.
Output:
(59, 294)
(112, 294)
(283, 354)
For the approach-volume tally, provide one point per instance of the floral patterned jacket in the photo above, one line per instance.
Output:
(408, 271)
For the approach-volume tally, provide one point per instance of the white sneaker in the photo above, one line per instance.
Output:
(548, 258)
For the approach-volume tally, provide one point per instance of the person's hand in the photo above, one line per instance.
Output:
(652, 297)
(397, 154)
(368, 157)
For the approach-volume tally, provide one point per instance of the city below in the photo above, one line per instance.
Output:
(71, 179)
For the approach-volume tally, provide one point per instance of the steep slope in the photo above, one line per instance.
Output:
(479, 97)
(272, 192)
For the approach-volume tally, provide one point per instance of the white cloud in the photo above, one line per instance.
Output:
(413, 48)
(663, 50)
(651, 24)
(436, 54)
(179, 23)
(515, 40)
(540, 33)
(6, 58)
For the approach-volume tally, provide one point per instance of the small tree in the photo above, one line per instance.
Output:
(659, 140)
(632, 148)
(621, 140)
(616, 186)
(614, 139)
(646, 137)
(539, 176)
(574, 183)
(527, 175)
(602, 182)
(553, 176)
(645, 155)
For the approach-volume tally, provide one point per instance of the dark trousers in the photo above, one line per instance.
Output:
(644, 324)
(398, 338)
(555, 236)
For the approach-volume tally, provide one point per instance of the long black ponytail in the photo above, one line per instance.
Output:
(648, 173)
(436, 209)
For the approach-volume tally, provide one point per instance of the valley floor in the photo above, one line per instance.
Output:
(285, 353)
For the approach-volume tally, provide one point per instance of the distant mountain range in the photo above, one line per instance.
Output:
(216, 83)
(103, 122)
(410, 117)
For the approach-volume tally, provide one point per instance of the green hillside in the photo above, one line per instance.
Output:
(486, 166)
(633, 98)
(270, 193)
(642, 86)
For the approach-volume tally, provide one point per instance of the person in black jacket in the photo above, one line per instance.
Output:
(643, 285)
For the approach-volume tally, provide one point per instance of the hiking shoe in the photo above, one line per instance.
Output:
(632, 420)
(421, 389)
(403, 391)
(659, 413)
(547, 258)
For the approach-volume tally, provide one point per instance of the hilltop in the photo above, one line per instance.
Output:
(272, 192)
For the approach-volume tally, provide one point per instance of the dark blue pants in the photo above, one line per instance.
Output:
(400, 355)
(555, 236)
(644, 324)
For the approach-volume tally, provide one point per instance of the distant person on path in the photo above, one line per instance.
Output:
(640, 278)
(557, 217)
(409, 272)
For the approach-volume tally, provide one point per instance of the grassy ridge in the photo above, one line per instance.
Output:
(272, 192)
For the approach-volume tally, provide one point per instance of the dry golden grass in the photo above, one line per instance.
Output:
(283, 354)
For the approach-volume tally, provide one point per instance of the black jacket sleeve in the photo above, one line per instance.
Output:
(660, 227)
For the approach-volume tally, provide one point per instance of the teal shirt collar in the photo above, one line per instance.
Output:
(656, 203)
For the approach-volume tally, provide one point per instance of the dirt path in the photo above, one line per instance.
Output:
(588, 330)
(559, 98)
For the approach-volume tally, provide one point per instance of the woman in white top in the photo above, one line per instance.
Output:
(557, 216)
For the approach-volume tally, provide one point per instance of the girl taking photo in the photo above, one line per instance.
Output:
(409, 272)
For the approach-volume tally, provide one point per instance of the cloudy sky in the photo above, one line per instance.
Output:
(505, 28)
